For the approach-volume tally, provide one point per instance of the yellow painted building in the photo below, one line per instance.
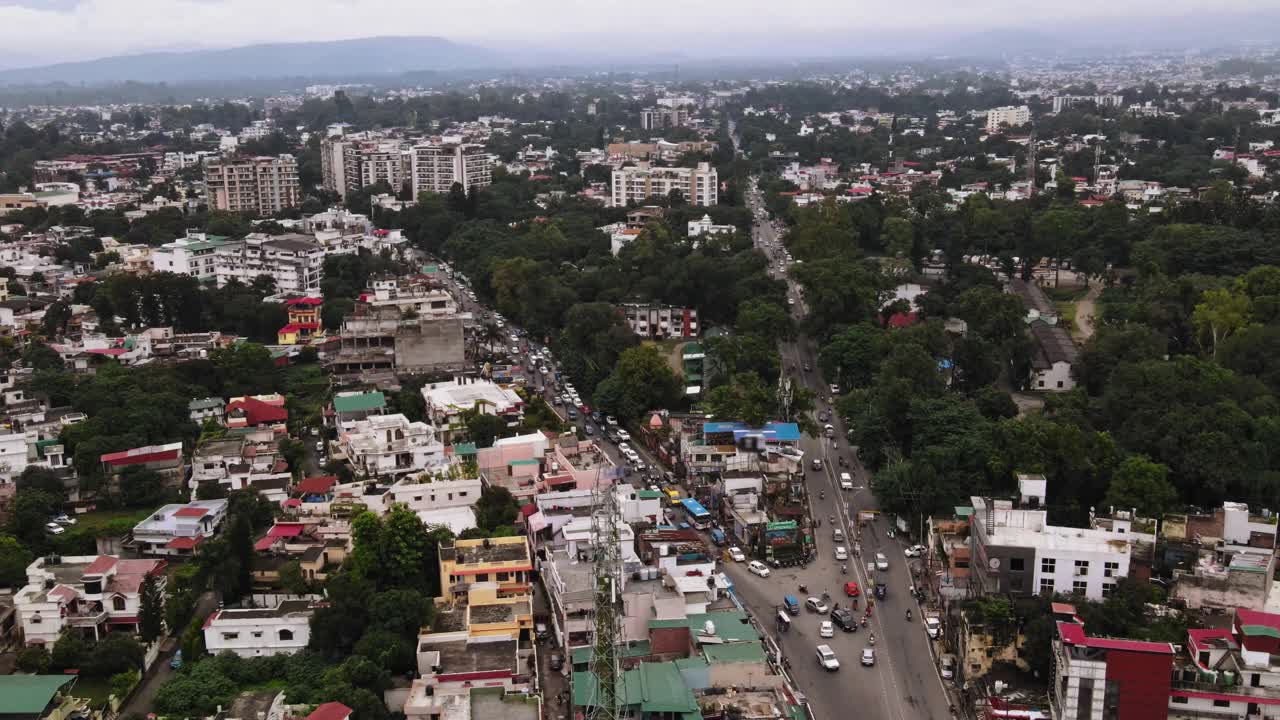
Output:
(487, 587)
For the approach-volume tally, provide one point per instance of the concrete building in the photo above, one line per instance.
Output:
(391, 446)
(1062, 102)
(89, 594)
(1228, 673)
(260, 632)
(699, 186)
(1012, 116)
(351, 162)
(660, 322)
(1055, 351)
(439, 501)
(1016, 551)
(177, 529)
(166, 460)
(259, 186)
(192, 255)
(435, 167)
(294, 262)
(447, 401)
(13, 455)
(384, 339)
(706, 227)
(1099, 678)
(660, 118)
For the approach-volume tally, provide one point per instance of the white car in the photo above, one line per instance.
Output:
(914, 551)
(868, 656)
(932, 626)
(882, 562)
(54, 528)
(543, 369)
(738, 555)
(611, 420)
(65, 520)
(624, 436)
(841, 553)
(827, 629)
(827, 658)
(758, 568)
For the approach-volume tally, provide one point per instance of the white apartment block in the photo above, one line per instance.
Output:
(177, 529)
(435, 167)
(706, 227)
(13, 455)
(700, 185)
(658, 118)
(260, 185)
(446, 401)
(1013, 116)
(192, 255)
(259, 632)
(348, 163)
(294, 262)
(391, 445)
(1062, 102)
(439, 501)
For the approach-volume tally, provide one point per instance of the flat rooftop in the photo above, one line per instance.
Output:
(462, 656)
(496, 552)
(1054, 537)
(494, 704)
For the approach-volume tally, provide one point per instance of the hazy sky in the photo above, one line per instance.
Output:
(46, 31)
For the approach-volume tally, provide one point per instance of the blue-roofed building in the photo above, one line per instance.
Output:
(719, 447)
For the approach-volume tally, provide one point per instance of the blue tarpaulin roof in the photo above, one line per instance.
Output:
(772, 431)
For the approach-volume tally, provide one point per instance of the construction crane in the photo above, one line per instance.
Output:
(606, 572)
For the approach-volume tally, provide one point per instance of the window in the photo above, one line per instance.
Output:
(1178, 699)
(286, 634)
(1046, 586)
(462, 494)
(1107, 589)
(1079, 587)
(417, 498)
(257, 633)
(1017, 564)
(1059, 383)
(1110, 569)
(1082, 567)
(36, 619)
(504, 576)
(1204, 657)
(1041, 383)
(1222, 703)
(1048, 566)
(482, 577)
(230, 636)
(117, 603)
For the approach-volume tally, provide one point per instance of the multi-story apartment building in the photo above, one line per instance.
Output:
(700, 185)
(658, 118)
(89, 594)
(191, 255)
(260, 185)
(502, 564)
(375, 339)
(435, 167)
(1062, 102)
(294, 262)
(1098, 678)
(660, 321)
(348, 163)
(1013, 116)
(1016, 551)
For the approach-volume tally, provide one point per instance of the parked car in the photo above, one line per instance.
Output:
(758, 568)
(557, 661)
(827, 658)
(65, 519)
(932, 626)
(54, 528)
(914, 551)
(947, 666)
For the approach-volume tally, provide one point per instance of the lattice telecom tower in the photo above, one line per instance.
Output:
(607, 578)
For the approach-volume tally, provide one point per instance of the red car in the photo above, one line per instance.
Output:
(851, 589)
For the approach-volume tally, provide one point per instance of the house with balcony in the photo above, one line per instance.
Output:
(258, 411)
(203, 410)
(89, 594)
(43, 697)
(487, 588)
(348, 407)
(447, 402)
(515, 463)
(573, 464)
(303, 321)
(178, 528)
(1229, 673)
(438, 500)
(242, 458)
(260, 632)
(391, 446)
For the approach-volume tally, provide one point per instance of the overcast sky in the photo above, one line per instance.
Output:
(47, 31)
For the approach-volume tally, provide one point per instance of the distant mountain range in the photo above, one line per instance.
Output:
(335, 59)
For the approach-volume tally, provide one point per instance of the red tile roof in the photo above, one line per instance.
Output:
(280, 530)
(295, 327)
(1059, 608)
(317, 484)
(191, 512)
(330, 711)
(313, 301)
(184, 543)
(264, 543)
(257, 412)
(100, 565)
(148, 454)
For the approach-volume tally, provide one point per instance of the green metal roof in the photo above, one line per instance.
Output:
(1266, 630)
(464, 448)
(742, 652)
(652, 688)
(638, 648)
(356, 403)
(964, 511)
(523, 462)
(649, 494)
(731, 625)
(29, 694)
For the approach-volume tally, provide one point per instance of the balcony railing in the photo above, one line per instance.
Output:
(1248, 691)
(88, 619)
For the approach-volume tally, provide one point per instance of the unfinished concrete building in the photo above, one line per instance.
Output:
(374, 339)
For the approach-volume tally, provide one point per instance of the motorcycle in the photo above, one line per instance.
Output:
(804, 589)
(843, 462)
(844, 569)
(872, 640)
(864, 621)
(822, 495)
(908, 615)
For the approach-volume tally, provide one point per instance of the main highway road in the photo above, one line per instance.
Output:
(904, 683)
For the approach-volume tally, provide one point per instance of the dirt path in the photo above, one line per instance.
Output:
(1085, 310)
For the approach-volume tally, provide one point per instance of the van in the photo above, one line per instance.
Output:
(717, 536)
(791, 604)
(784, 622)
(846, 481)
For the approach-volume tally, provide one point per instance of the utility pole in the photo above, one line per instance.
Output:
(606, 569)
(1031, 163)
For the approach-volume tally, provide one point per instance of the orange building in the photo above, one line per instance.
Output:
(304, 321)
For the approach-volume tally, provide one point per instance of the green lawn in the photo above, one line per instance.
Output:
(1067, 316)
(94, 689)
(1065, 293)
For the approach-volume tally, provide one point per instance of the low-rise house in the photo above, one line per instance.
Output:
(514, 463)
(1055, 349)
(451, 665)
(89, 594)
(42, 697)
(660, 322)
(439, 501)
(718, 447)
(205, 409)
(447, 401)
(348, 407)
(177, 529)
(574, 464)
(258, 632)
(304, 321)
(258, 411)
(246, 457)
